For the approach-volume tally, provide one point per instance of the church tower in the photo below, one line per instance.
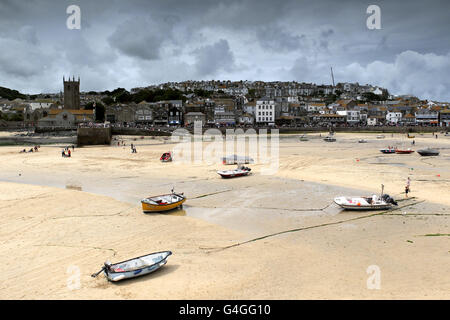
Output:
(72, 93)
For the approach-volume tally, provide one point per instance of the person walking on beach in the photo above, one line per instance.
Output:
(63, 153)
(408, 183)
(68, 151)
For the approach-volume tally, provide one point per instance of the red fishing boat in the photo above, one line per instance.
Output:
(407, 151)
(166, 157)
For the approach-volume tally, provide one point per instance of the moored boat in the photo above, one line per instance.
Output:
(329, 139)
(238, 172)
(362, 141)
(134, 267)
(380, 136)
(163, 202)
(388, 150)
(365, 203)
(428, 152)
(407, 151)
(166, 157)
(303, 138)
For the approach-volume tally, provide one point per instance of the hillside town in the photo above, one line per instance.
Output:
(222, 104)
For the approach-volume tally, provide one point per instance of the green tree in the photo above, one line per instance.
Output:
(99, 112)
(108, 100)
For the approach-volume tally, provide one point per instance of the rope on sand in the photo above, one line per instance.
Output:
(83, 247)
(210, 194)
(306, 228)
(97, 215)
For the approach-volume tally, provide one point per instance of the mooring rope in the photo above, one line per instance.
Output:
(306, 228)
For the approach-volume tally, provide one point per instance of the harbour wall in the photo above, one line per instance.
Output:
(93, 136)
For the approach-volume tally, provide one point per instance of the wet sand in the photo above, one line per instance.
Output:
(81, 211)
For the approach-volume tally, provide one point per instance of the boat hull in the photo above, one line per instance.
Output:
(149, 207)
(360, 203)
(387, 150)
(404, 151)
(361, 208)
(428, 153)
(157, 262)
(228, 175)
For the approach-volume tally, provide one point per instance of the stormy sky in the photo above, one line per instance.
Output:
(141, 42)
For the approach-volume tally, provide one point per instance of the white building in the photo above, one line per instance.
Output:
(394, 117)
(265, 111)
(315, 107)
(293, 99)
(352, 116)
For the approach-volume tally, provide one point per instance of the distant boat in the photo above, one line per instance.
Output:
(238, 172)
(329, 139)
(380, 136)
(304, 138)
(388, 150)
(407, 151)
(235, 159)
(428, 152)
(411, 136)
(362, 141)
(166, 157)
(163, 202)
(134, 267)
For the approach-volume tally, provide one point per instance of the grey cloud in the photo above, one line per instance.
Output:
(141, 37)
(122, 41)
(212, 58)
(277, 39)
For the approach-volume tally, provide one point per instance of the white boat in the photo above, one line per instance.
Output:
(303, 138)
(134, 267)
(362, 141)
(329, 139)
(238, 172)
(374, 202)
(380, 136)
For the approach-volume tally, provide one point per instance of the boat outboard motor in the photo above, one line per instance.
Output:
(389, 199)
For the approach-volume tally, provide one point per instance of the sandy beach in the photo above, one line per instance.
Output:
(66, 216)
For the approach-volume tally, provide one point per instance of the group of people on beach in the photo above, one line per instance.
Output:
(66, 151)
(34, 149)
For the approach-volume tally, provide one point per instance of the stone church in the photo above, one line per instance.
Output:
(72, 94)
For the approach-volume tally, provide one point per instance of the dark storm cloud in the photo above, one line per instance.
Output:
(141, 37)
(138, 42)
(213, 58)
(276, 38)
